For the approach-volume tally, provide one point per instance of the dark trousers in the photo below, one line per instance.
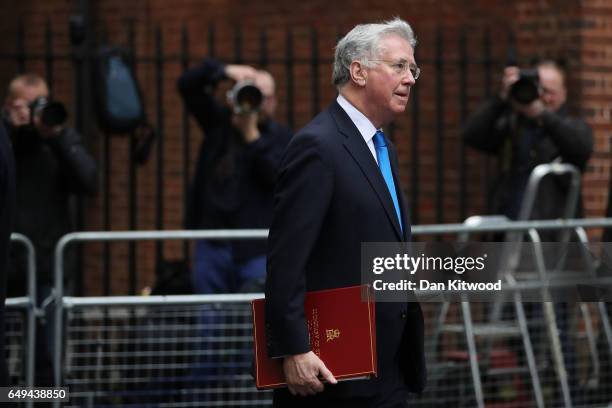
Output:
(216, 271)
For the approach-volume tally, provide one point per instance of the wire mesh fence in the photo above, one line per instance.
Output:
(180, 351)
(161, 355)
(15, 334)
(179, 355)
(504, 371)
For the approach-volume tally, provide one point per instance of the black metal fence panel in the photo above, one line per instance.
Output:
(459, 71)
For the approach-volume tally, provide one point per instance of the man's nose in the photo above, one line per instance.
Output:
(408, 78)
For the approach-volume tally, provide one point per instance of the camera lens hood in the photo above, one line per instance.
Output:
(246, 97)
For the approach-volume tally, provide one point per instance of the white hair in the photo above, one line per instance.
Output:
(361, 44)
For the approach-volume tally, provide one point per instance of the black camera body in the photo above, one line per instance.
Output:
(527, 88)
(50, 113)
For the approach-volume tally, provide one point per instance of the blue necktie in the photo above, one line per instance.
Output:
(385, 167)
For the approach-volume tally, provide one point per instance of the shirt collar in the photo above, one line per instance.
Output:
(363, 124)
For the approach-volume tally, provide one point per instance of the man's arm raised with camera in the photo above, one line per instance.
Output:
(246, 123)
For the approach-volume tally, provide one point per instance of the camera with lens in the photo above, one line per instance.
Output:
(527, 88)
(245, 97)
(50, 113)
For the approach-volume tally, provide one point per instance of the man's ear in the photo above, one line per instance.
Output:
(359, 73)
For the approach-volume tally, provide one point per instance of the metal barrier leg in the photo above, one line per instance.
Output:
(57, 346)
(553, 334)
(31, 357)
(471, 343)
(551, 322)
(592, 342)
(591, 267)
(588, 258)
(31, 311)
(533, 369)
(31, 347)
(603, 311)
(601, 306)
(522, 322)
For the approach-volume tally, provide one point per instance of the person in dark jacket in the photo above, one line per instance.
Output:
(7, 208)
(524, 136)
(51, 164)
(234, 176)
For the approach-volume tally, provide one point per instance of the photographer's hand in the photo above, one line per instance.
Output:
(531, 111)
(247, 125)
(46, 131)
(240, 72)
(510, 76)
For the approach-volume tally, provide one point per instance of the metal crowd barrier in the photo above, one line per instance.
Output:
(20, 323)
(566, 392)
(160, 351)
(193, 350)
(216, 383)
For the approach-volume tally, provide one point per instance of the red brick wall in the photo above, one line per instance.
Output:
(577, 30)
(595, 82)
(580, 32)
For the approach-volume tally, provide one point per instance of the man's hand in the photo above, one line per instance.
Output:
(532, 110)
(511, 75)
(47, 132)
(246, 123)
(302, 373)
(240, 72)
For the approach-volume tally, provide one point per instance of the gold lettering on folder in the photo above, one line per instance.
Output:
(332, 334)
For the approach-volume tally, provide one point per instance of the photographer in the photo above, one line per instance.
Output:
(235, 172)
(527, 125)
(51, 163)
(526, 133)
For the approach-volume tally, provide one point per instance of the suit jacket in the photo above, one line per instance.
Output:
(330, 197)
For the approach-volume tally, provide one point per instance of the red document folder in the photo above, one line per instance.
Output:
(342, 331)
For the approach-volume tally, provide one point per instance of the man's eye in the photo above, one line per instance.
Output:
(400, 67)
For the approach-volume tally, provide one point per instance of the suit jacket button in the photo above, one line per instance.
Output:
(404, 315)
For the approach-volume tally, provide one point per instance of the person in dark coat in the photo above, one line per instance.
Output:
(234, 175)
(339, 187)
(523, 136)
(51, 164)
(7, 209)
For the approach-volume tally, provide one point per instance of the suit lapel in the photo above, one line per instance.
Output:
(360, 152)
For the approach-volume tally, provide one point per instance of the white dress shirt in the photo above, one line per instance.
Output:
(365, 127)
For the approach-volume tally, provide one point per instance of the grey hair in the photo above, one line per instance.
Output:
(361, 44)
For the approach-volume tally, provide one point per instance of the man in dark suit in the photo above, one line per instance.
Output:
(7, 206)
(338, 187)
